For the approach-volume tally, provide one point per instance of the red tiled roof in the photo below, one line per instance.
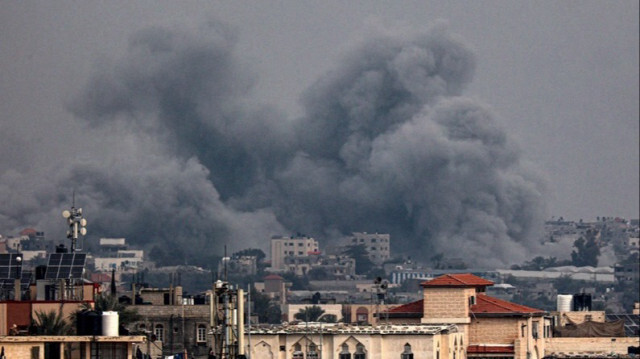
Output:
(28, 232)
(457, 280)
(273, 277)
(484, 305)
(413, 307)
(487, 304)
(494, 349)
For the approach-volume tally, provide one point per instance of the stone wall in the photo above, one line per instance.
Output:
(494, 330)
(589, 345)
(450, 305)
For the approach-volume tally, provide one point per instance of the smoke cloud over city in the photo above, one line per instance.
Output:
(179, 158)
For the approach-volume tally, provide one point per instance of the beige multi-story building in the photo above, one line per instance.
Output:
(292, 247)
(377, 245)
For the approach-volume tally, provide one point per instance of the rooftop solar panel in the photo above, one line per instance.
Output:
(631, 322)
(25, 281)
(10, 265)
(65, 265)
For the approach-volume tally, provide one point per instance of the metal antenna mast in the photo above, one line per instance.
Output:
(77, 224)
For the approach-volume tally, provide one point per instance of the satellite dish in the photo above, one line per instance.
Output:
(83, 231)
(66, 214)
(83, 222)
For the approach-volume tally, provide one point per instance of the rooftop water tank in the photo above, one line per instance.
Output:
(564, 302)
(110, 324)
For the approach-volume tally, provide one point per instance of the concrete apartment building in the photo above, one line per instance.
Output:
(291, 247)
(377, 245)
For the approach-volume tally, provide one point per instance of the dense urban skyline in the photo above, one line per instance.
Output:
(557, 82)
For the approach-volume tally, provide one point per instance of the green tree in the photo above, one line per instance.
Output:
(309, 314)
(52, 323)
(266, 311)
(109, 303)
(587, 250)
(361, 255)
(566, 284)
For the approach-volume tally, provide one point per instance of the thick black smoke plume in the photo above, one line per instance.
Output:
(185, 163)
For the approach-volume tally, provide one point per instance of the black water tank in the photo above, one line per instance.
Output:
(582, 302)
(40, 272)
(61, 249)
(89, 322)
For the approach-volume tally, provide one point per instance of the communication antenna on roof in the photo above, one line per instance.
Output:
(77, 224)
(225, 260)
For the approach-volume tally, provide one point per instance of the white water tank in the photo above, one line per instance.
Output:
(564, 302)
(110, 324)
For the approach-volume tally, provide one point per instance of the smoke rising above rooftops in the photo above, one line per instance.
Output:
(387, 142)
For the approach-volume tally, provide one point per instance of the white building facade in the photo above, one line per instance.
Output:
(291, 247)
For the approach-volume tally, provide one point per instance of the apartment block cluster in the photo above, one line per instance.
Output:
(300, 254)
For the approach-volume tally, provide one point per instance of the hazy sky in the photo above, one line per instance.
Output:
(560, 76)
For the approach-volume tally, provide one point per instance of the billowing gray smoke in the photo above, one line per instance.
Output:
(183, 162)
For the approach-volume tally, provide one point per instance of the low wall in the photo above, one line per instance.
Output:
(589, 345)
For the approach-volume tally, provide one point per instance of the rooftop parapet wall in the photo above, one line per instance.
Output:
(575, 346)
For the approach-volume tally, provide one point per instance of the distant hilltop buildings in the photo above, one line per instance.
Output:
(300, 254)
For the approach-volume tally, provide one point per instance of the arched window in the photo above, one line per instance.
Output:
(201, 333)
(313, 352)
(359, 354)
(159, 332)
(344, 353)
(407, 353)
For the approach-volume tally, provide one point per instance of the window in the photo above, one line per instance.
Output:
(159, 332)
(297, 352)
(344, 353)
(407, 353)
(300, 244)
(472, 300)
(534, 330)
(201, 334)
(359, 354)
(313, 352)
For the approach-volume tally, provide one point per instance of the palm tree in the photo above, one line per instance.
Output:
(309, 314)
(52, 323)
(109, 303)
